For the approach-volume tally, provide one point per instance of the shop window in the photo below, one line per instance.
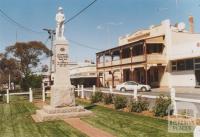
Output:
(174, 66)
(197, 66)
(180, 65)
(197, 60)
(189, 64)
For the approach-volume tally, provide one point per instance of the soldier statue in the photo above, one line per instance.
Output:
(60, 19)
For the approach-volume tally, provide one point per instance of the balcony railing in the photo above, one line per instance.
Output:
(115, 62)
(107, 63)
(126, 60)
(156, 58)
(100, 65)
(140, 58)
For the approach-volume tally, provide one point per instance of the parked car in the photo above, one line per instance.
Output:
(131, 85)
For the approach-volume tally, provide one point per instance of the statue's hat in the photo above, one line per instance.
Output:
(60, 8)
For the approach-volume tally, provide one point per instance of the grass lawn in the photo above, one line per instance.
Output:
(123, 124)
(16, 121)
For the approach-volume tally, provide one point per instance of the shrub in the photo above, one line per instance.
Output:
(32, 80)
(139, 105)
(107, 98)
(161, 106)
(97, 97)
(120, 102)
(75, 94)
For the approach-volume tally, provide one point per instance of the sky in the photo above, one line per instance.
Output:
(99, 26)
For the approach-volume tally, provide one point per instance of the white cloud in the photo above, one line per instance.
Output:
(115, 23)
(99, 27)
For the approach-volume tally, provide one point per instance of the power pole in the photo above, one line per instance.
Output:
(51, 33)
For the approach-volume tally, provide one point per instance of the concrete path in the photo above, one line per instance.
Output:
(86, 128)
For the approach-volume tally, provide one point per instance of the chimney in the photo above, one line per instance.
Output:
(191, 24)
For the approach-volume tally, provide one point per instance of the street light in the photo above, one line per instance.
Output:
(51, 33)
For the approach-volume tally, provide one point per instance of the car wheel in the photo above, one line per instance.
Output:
(123, 89)
(143, 89)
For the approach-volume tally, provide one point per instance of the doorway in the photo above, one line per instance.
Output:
(197, 75)
(127, 74)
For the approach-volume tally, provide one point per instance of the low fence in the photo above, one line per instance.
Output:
(8, 94)
(44, 92)
(81, 92)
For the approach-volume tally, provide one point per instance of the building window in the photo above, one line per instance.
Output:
(174, 66)
(180, 65)
(197, 66)
(197, 60)
(154, 48)
(126, 53)
(189, 64)
(197, 63)
(138, 50)
(100, 74)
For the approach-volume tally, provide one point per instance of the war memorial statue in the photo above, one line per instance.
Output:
(62, 101)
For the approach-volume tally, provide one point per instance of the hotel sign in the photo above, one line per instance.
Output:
(139, 37)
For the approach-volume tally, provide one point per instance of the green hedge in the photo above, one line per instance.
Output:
(120, 102)
(97, 97)
(161, 106)
(107, 99)
(139, 105)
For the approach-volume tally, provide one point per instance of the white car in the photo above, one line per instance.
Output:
(131, 85)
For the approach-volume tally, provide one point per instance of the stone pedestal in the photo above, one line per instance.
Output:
(62, 91)
(49, 113)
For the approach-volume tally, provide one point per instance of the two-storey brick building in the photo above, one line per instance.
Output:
(161, 56)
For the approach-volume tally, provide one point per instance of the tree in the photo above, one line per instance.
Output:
(9, 67)
(33, 81)
(28, 54)
(45, 68)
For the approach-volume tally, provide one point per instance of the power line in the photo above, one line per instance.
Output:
(17, 23)
(81, 11)
(45, 42)
(83, 45)
(37, 32)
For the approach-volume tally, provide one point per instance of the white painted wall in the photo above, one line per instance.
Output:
(184, 45)
(183, 78)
